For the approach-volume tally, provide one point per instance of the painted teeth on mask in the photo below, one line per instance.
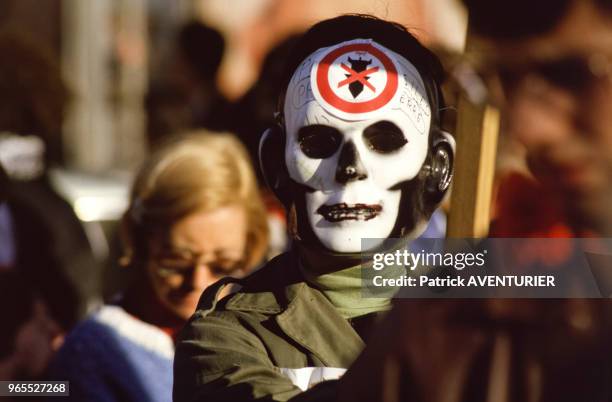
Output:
(342, 211)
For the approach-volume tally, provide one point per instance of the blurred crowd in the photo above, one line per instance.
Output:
(199, 209)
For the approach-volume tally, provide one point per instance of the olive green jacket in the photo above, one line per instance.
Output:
(238, 348)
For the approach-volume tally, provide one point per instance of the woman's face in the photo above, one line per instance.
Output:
(197, 251)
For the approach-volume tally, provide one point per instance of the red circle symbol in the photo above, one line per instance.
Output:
(371, 105)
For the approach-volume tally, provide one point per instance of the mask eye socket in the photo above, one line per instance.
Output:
(384, 137)
(319, 141)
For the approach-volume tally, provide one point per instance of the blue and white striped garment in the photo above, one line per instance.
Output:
(113, 356)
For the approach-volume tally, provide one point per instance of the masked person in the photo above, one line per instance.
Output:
(357, 153)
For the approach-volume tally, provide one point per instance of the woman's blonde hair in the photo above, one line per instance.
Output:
(193, 172)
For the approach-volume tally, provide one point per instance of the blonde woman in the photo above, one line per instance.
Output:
(195, 216)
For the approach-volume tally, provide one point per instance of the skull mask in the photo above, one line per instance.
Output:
(357, 124)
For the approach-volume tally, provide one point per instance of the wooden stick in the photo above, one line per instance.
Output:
(477, 133)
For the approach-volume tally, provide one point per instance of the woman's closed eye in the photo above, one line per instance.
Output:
(225, 267)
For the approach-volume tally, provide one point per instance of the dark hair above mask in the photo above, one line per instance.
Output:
(391, 35)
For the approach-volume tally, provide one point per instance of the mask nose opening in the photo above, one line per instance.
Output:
(350, 168)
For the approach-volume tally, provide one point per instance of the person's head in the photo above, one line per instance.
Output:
(199, 54)
(195, 216)
(552, 67)
(29, 336)
(30, 76)
(260, 102)
(359, 142)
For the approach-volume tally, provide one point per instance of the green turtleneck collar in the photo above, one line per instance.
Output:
(339, 278)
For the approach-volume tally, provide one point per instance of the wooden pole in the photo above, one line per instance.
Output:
(477, 132)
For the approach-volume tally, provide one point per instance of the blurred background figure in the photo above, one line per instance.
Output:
(487, 351)
(195, 216)
(554, 84)
(187, 95)
(257, 107)
(49, 245)
(29, 336)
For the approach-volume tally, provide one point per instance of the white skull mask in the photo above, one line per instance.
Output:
(357, 125)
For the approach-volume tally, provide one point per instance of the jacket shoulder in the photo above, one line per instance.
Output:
(265, 290)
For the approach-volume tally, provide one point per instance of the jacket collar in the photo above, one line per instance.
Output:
(271, 289)
(313, 322)
(304, 314)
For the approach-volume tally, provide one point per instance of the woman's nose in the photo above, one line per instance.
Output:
(201, 277)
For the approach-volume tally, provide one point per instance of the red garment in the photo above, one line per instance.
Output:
(525, 209)
(141, 302)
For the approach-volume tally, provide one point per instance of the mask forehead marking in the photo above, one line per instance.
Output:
(301, 92)
(354, 79)
(359, 80)
(412, 101)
